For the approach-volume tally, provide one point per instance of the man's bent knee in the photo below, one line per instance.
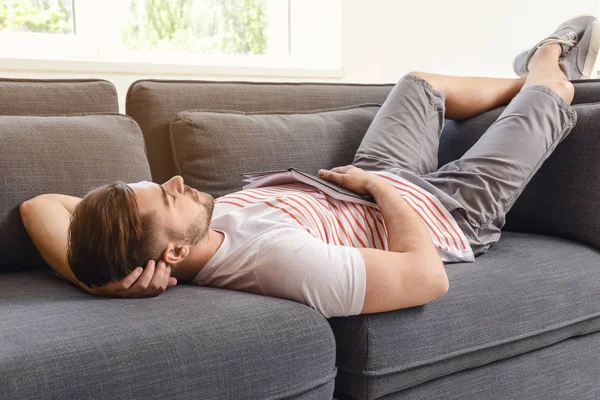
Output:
(418, 74)
(562, 87)
(432, 79)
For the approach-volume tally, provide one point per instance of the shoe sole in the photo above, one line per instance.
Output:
(592, 54)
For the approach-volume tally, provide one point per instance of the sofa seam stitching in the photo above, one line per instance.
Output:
(496, 344)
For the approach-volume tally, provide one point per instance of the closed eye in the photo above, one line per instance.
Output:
(166, 195)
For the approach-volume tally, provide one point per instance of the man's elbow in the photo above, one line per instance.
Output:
(436, 280)
(29, 211)
(25, 209)
(442, 285)
(28, 207)
(439, 282)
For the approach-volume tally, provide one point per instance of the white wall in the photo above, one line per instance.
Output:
(384, 39)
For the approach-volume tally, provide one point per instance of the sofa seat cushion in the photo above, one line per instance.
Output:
(212, 149)
(190, 342)
(565, 370)
(527, 292)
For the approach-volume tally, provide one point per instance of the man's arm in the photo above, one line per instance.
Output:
(411, 272)
(47, 217)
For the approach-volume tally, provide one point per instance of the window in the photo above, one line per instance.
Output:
(278, 33)
(37, 16)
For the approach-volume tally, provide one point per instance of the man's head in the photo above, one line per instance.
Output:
(118, 227)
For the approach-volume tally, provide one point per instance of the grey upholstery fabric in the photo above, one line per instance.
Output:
(60, 154)
(212, 149)
(154, 103)
(567, 370)
(562, 198)
(189, 343)
(529, 291)
(586, 91)
(57, 96)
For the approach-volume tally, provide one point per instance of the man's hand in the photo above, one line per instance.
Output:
(46, 218)
(149, 282)
(350, 177)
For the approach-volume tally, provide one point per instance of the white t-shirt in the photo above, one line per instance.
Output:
(293, 241)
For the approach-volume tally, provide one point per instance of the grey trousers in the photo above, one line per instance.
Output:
(479, 188)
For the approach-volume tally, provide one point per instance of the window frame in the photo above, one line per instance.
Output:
(77, 53)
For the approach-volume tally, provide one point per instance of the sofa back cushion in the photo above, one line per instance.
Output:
(212, 149)
(60, 154)
(57, 96)
(586, 91)
(154, 103)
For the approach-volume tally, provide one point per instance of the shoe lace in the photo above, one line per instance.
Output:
(569, 38)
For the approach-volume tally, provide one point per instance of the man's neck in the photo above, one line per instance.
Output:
(199, 255)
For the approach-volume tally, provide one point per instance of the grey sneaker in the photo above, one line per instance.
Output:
(579, 61)
(567, 34)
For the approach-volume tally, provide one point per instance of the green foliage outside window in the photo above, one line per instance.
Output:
(191, 26)
(42, 16)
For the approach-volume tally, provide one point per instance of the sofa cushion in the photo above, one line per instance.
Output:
(212, 149)
(565, 370)
(57, 96)
(586, 91)
(60, 154)
(527, 292)
(190, 342)
(154, 103)
(562, 198)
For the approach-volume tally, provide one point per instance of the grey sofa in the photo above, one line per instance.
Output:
(520, 322)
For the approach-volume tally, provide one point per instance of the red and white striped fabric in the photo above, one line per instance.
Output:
(347, 223)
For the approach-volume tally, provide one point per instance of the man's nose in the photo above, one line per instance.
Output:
(176, 183)
(180, 183)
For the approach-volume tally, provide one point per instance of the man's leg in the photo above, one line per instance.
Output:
(489, 177)
(405, 132)
(467, 97)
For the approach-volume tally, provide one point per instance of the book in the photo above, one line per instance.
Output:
(291, 175)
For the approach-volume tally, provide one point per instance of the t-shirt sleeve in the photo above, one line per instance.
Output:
(294, 265)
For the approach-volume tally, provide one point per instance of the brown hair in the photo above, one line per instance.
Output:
(108, 238)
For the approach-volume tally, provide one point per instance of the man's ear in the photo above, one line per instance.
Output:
(175, 253)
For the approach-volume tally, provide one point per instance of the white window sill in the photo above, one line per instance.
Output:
(188, 70)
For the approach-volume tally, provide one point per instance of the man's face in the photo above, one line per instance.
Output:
(178, 208)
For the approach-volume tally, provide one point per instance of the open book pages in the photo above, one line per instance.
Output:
(292, 175)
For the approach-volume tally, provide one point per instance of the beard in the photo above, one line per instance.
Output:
(199, 226)
(197, 230)
(209, 204)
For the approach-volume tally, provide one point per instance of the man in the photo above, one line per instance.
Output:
(341, 258)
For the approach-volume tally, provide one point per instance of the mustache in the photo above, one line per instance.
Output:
(210, 201)
(188, 191)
